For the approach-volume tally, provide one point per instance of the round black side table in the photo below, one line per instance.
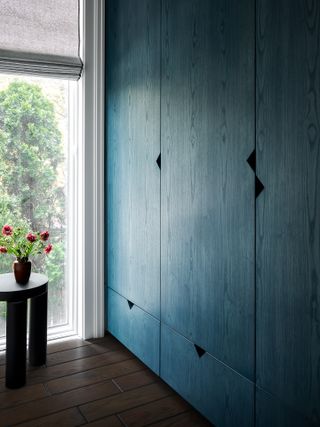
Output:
(16, 296)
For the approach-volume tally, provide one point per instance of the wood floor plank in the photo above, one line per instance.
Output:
(154, 411)
(68, 418)
(137, 379)
(112, 421)
(123, 401)
(56, 403)
(188, 419)
(92, 376)
(72, 354)
(55, 346)
(25, 394)
(44, 374)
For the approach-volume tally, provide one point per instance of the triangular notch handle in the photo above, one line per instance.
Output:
(159, 161)
(259, 187)
(251, 160)
(199, 350)
(130, 304)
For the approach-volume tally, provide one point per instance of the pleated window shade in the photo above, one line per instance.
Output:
(40, 37)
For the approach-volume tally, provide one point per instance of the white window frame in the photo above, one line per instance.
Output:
(86, 228)
(91, 296)
(86, 166)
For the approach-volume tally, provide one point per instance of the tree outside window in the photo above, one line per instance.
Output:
(33, 133)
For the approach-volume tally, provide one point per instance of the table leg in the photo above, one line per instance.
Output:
(38, 330)
(16, 344)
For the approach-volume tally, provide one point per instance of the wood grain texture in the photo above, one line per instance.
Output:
(135, 380)
(51, 404)
(133, 145)
(188, 419)
(270, 411)
(68, 418)
(129, 399)
(136, 329)
(92, 376)
(218, 392)
(112, 421)
(154, 411)
(207, 187)
(288, 211)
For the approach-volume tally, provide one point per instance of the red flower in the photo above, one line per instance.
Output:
(48, 249)
(3, 249)
(31, 237)
(44, 235)
(7, 230)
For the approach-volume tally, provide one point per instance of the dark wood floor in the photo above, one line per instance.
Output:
(94, 383)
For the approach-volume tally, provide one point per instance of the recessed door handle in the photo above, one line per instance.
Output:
(158, 161)
(251, 160)
(200, 351)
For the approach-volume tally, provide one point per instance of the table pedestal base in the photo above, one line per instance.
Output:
(16, 344)
(38, 330)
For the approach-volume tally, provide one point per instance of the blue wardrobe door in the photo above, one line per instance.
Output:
(136, 329)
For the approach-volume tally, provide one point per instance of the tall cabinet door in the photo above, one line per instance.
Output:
(133, 135)
(207, 186)
(288, 213)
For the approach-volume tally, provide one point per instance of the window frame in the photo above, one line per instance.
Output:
(86, 219)
(91, 298)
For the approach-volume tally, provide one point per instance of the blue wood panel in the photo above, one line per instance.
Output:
(218, 392)
(207, 187)
(271, 412)
(135, 328)
(133, 145)
(288, 211)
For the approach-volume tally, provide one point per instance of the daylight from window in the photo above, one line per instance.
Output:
(34, 134)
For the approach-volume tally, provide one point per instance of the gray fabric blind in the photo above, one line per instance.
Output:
(40, 37)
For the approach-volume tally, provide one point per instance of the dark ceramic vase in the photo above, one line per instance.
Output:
(22, 271)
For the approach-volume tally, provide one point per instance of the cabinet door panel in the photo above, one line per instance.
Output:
(218, 392)
(135, 328)
(288, 211)
(133, 145)
(270, 411)
(207, 187)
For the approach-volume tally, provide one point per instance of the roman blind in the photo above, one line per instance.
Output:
(40, 37)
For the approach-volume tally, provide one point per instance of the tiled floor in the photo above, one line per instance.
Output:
(93, 383)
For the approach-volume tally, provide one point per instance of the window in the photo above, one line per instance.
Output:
(37, 177)
(78, 113)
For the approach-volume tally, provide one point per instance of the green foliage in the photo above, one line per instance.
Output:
(31, 151)
(31, 159)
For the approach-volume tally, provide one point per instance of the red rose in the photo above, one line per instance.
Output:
(48, 249)
(7, 230)
(31, 237)
(44, 235)
(3, 249)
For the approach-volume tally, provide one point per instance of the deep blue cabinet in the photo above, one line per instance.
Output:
(133, 135)
(271, 411)
(213, 286)
(217, 391)
(135, 328)
(207, 186)
(288, 211)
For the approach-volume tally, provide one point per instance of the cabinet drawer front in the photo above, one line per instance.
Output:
(136, 329)
(218, 392)
(272, 412)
